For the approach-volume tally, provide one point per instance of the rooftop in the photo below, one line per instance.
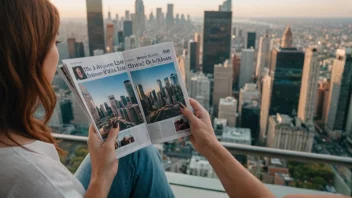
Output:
(237, 133)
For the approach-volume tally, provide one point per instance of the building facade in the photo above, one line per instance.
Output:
(222, 82)
(309, 86)
(95, 25)
(216, 39)
(228, 110)
(287, 133)
(247, 70)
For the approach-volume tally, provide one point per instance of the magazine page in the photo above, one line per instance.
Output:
(62, 71)
(157, 80)
(107, 93)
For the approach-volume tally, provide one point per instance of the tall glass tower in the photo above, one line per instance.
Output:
(95, 25)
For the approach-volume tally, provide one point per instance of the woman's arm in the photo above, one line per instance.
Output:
(237, 181)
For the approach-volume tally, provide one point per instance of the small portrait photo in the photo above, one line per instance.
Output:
(125, 139)
(79, 73)
(181, 124)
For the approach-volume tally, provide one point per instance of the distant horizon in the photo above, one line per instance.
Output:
(241, 9)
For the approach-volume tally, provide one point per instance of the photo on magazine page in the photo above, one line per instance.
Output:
(112, 99)
(159, 91)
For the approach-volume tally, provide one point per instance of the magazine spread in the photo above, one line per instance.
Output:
(140, 89)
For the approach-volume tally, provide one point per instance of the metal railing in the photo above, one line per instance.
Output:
(255, 151)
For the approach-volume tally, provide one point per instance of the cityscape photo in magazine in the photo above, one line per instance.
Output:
(112, 99)
(159, 91)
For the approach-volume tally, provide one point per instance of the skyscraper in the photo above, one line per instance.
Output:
(228, 110)
(130, 92)
(265, 106)
(248, 94)
(79, 49)
(140, 92)
(113, 105)
(264, 54)
(217, 39)
(192, 55)
(71, 47)
(127, 15)
(289, 134)
(170, 16)
(200, 88)
(95, 25)
(110, 37)
(174, 79)
(90, 103)
(159, 19)
(197, 39)
(287, 39)
(309, 86)
(222, 82)
(140, 17)
(236, 68)
(340, 91)
(247, 67)
(127, 28)
(286, 72)
(226, 6)
(251, 39)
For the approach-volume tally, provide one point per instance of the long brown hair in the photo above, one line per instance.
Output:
(28, 31)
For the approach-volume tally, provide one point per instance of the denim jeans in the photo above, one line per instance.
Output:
(140, 174)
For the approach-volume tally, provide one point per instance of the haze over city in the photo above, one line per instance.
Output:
(241, 8)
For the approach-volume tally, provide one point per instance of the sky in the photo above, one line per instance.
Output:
(148, 77)
(102, 88)
(241, 8)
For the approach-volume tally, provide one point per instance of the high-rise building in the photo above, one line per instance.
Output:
(289, 134)
(197, 39)
(110, 37)
(287, 39)
(286, 73)
(159, 19)
(236, 68)
(127, 15)
(174, 79)
(340, 91)
(192, 55)
(113, 104)
(265, 107)
(127, 28)
(322, 99)
(71, 47)
(90, 103)
(130, 92)
(228, 110)
(247, 67)
(251, 40)
(226, 6)
(95, 25)
(131, 42)
(222, 82)
(170, 16)
(249, 109)
(79, 49)
(264, 55)
(216, 39)
(200, 88)
(309, 86)
(140, 17)
(140, 92)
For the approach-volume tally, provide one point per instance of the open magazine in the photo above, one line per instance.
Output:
(141, 89)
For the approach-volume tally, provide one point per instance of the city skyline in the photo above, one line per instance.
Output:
(100, 89)
(156, 73)
(249, 8)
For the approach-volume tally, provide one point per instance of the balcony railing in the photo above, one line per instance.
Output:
(256, 151)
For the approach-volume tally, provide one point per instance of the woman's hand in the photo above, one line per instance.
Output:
(203, 137)
(103, 157)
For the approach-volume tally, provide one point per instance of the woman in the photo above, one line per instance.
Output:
(29, 162)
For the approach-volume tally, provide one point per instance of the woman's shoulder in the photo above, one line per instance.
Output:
(33, 171)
